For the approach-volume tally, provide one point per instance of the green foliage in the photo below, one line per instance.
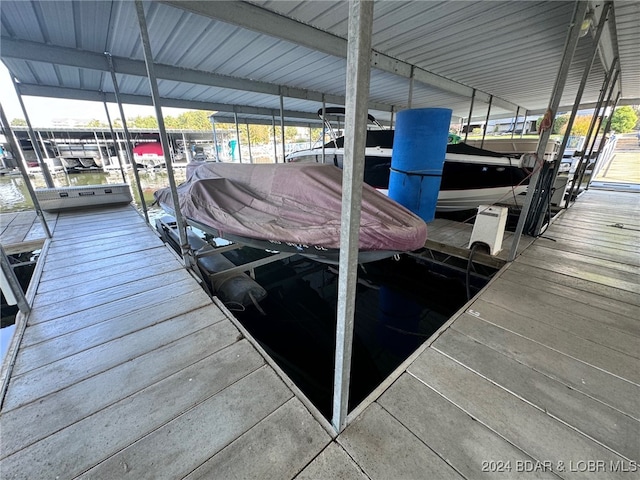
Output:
(96, 124)
(624, 119)
(18, 122)
(559, 124)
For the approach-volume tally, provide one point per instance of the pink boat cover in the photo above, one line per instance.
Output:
(149, 148)
(290, 203)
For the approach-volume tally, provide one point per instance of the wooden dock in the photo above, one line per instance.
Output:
(126, 369)
(23, 232)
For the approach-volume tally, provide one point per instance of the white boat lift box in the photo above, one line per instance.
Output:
(87, 196)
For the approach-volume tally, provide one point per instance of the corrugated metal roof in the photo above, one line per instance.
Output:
(243, 54)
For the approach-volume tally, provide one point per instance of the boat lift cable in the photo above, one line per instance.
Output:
(472, 252)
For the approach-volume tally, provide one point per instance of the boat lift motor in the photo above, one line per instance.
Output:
(489, 227)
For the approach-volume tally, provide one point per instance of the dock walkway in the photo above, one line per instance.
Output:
(126, 369)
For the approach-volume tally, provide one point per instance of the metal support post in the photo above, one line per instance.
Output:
(473, 99)
(572, 116)
(577, 177)
(128, 147)
(515, 123)
(249, 141)
(34, 141)
(324, 126)
(595, 132)
(524, 123)
(235, 117)
(284, 150)
(607, 128)
(275, 142)
(215, 137)
(358, 75)
(185, 249)
(486, 121)
(411, 82)
(571, 42)
(14, 145)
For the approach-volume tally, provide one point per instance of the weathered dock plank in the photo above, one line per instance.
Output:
(298, 440)
(333, 462)
(540, 435)
(384, 448)
(604, 424)
(581, 320)
(449, 431)
(35, 421)
(583, 377)
(210, 421)
(206, 389)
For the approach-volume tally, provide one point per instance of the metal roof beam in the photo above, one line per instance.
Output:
(261, 20)
(95, 96)
(39, 52)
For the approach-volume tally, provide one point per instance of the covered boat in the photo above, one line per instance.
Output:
(290, 208)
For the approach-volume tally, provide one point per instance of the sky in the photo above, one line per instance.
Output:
(46, 112)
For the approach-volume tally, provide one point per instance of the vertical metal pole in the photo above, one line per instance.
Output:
(215, 137)
(393, 111)
(563, 72)
(249, 141)
(358, 75)
(411, 82)
(34, 141)
(607, 128)
(275, 143)
(185, 148)
(575, 184)
(473, 100)
(114, 137)
(515, 123)
(486, 121)
(44, 147)
(155, 95)
(324, 126)
(524, 123)
(595, 133)
(579, 93)
(284, 151)
(235, 117)
(128, 147)
(17, 151)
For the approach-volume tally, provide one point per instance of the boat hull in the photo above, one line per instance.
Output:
(467, 180)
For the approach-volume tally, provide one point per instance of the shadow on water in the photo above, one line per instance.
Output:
(399, 305)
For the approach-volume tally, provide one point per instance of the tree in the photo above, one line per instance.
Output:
(559, 124)
(96, 124)
(581, 125)
(18, 122)
(624, 119)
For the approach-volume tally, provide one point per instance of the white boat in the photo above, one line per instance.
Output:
(470, 177)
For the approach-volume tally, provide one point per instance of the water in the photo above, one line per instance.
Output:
(399, 305)
(15, 195)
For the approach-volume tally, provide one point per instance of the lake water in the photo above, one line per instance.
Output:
(15, 195)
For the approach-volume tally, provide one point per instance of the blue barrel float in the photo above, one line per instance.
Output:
(419, 149)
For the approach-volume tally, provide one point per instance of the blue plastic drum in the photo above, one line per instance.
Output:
(419, 150)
